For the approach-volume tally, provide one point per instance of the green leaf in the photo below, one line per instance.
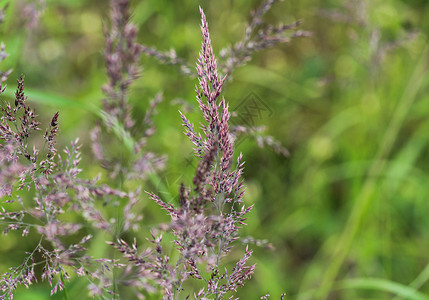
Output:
(382, 285)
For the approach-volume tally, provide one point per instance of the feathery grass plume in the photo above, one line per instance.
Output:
(253, 41)
(30, 12)
(3, 54)
(57, 191)
(24, 120)
(122, 55)
(169, 58)
(262, 140)
(350, 12)
(2, 12)
(216, 183)
(208, 216)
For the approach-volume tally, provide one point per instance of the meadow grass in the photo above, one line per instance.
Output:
(346, 213)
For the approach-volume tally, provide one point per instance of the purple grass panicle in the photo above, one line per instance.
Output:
(57, 190)
(31, 11)
(209, 214)
(255, 40)
(122, 56)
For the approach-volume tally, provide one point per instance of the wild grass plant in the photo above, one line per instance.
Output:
(59, 207)
(340, 214)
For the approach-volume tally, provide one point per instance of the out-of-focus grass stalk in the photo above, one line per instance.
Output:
(66, 296)
(365, 196)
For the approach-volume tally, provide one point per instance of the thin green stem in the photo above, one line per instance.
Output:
(66, 296)
(417, 283)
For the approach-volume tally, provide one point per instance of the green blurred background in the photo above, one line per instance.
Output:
(346, 212)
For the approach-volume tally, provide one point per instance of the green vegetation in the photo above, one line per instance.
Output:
(346, 213)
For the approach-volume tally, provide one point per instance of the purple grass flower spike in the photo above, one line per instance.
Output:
(208, 216)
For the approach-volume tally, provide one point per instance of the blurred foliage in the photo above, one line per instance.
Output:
(346, 212)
